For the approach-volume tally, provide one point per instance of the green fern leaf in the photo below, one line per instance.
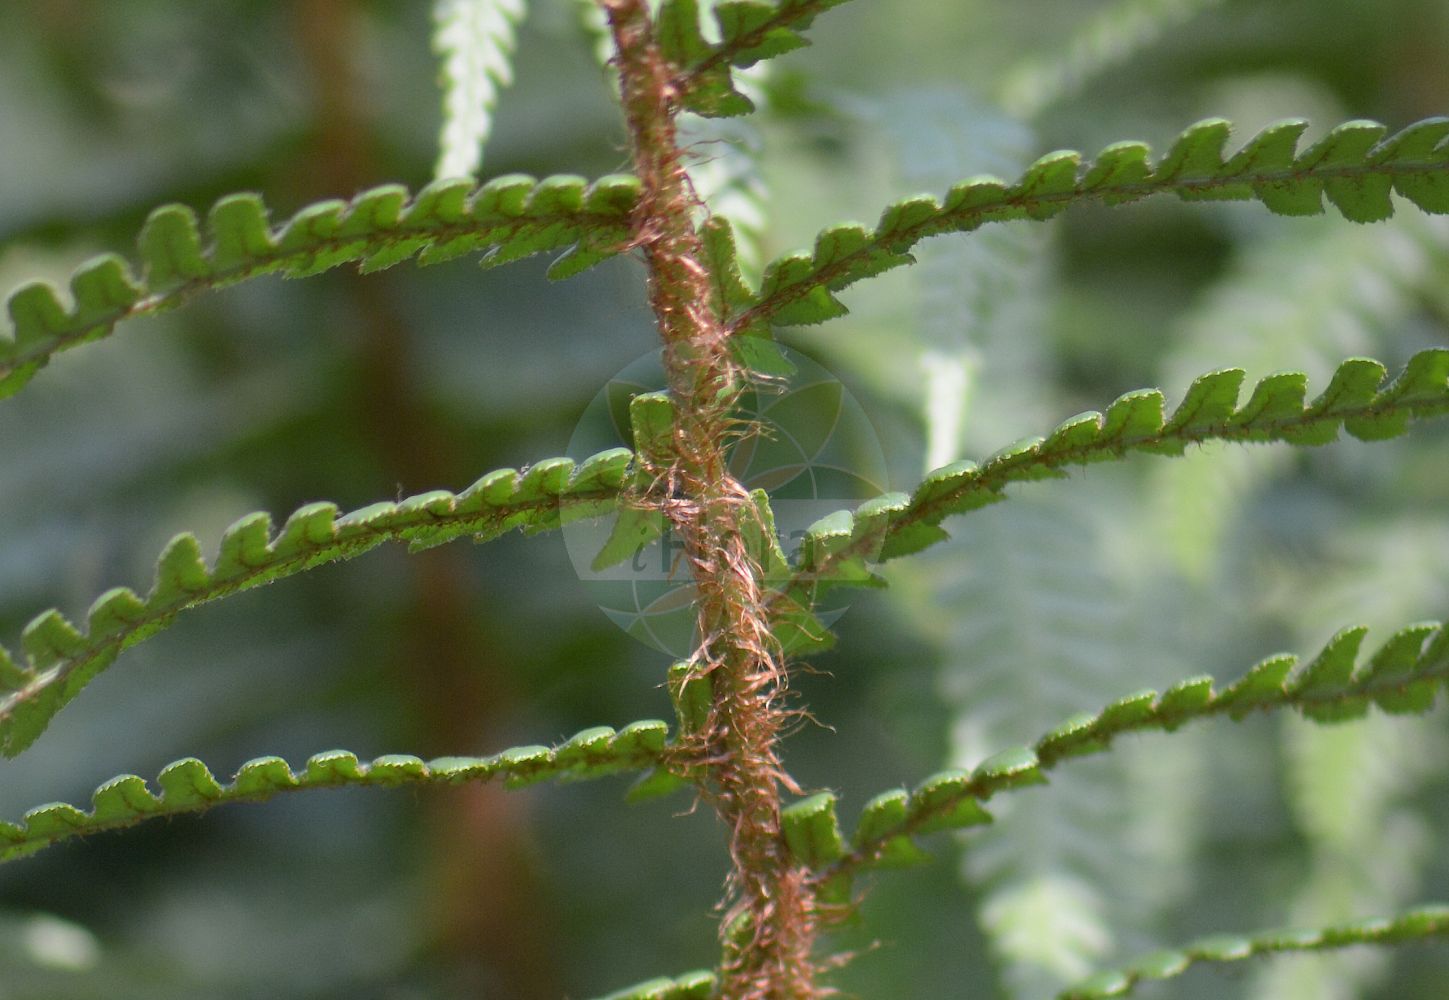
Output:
(508, 218)
(812, 831)
(188, 786)
(1275, 411)
(937, 804)
(883, 821)
(1326, 689)
(690, 986)
(677, 29)
(748, 31)
(1356, 176)
(692, 692)
(722, 255)
(1414, 659)
(61, 659)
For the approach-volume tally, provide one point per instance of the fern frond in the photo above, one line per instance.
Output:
(1354, 165)
(508, 218)
(475, 40)
(749, 31)
(697, 985)
(188, 786)
(1416, 925)
(61, 659)
(1402, 676)
(1356, 399)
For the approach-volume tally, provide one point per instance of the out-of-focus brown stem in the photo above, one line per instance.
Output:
(488, 915)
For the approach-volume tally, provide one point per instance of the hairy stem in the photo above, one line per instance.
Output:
(769, 926)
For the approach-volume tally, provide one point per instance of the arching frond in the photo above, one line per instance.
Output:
(1357, 399)
(188, 786)
(508, 218)
(474, 40)
(60, 659)
(1416, 925)
(1402, 676)
(1354, 165)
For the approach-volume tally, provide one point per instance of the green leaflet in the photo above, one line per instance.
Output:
(1356, 399)
(948, 800)
(793, 620)
(698, 985)
(1354, 166)
(1415, 925)
(749, 31)
(721, 251)
(812, 830)
(1404, 675)
(187, 785)
(692, 692)
(651, 424)
(754, 348)
(61, 659)
(508, 218)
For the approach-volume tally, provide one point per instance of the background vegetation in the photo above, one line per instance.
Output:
(1131, 575)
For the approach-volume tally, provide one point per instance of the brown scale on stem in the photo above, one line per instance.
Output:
(770, 912)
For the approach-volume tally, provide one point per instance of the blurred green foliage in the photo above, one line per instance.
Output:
(357, 389)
